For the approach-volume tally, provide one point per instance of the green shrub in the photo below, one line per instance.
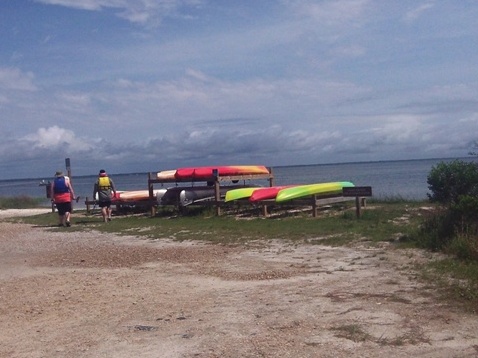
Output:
(449, 181)
(464, 247)
(437, 231)
(465, 213)
(454, 228)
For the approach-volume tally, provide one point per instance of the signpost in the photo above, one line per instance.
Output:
(357, 192)
(68, 167)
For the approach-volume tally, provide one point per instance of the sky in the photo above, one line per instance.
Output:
(150, 85)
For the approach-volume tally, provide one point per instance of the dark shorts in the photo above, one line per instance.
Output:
(63, 208)
(104, 203)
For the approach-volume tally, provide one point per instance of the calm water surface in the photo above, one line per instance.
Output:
(406, 179)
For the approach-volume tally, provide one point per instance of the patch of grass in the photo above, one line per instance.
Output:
(414, 336)
(456, 279)
(20, 202)
(353, 332)
(381, 221)
(378, 223)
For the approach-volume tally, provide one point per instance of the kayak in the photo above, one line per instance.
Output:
(192, 195)
(300, 191)
(241, 193)
(118, 192)
(166, 175)
(267, 193)
(229, 170)
(136, 195)
(184, 196)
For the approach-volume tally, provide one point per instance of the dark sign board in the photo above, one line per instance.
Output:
(357, 191)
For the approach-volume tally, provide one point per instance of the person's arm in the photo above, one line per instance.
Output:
(52, 191)
(113, 188)
(72, 192)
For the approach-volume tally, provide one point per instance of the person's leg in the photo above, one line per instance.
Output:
(104, 213)
(67, 218)
(103, 205)
(68, 215)
(109, 213)
(61, 214)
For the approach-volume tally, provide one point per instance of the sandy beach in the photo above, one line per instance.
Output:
(90, 294)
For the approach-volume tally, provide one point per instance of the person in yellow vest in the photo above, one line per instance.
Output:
(104, 192)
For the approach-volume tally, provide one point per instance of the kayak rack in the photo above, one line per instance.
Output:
(317, 202)
(359, 194)
(314, 202)
(214, 180)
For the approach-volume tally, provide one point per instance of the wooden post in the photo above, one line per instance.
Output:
(87, 202)
(217, 196)
(264, 211)
(314, 206)
(68, 167)
(358, 207)
(271, 178)
(49, 195)
(152, 207)
(359, 193)
(217, 191)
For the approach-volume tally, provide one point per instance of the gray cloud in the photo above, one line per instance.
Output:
(149, 85)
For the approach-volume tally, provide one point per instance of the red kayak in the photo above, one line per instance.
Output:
(267, 193)
(228, 170)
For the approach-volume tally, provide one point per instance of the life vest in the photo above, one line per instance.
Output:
(104, 183)
(60, 186)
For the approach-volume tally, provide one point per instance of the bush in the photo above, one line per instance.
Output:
(449, 181)
(437, 231)
(454, 228)
(465, 212)
(464, 247)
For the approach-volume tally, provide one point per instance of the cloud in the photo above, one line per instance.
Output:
(305, 81)
(57, 138)
(417, 12)
(399, 129)
(349, 51)
(135, 11)
(15, 79)
(331, 12)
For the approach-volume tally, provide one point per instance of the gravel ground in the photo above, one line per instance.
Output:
(86, 294)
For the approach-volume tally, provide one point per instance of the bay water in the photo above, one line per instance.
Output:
(405, 179)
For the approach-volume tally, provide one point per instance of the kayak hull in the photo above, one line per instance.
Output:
(166, 175)
(136, 195)
(267, 193)
(198, 173)
(301, 191)
(193, 195)
(237, 194)
(184, 196)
